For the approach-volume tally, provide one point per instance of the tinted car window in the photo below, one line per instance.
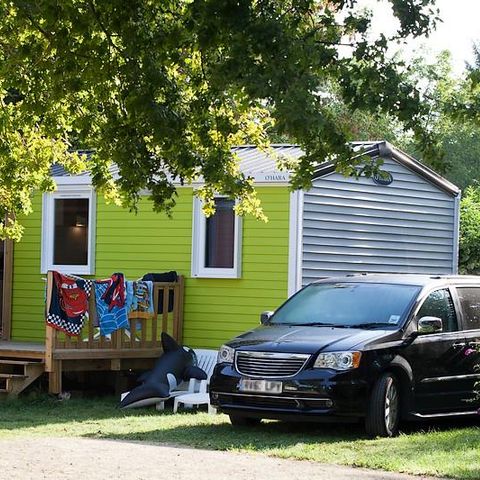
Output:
(440, 304)
(348, 304)
(470, 302)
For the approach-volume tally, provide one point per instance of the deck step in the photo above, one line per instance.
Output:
(19, 367)
(5, 361)
(17, 375)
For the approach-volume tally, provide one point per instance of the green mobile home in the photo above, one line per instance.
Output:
(150, 242)
(235, 268)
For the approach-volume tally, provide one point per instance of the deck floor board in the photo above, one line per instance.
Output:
(22, 350)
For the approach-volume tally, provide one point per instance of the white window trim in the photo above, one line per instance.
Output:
(48, 218)
(198, 246)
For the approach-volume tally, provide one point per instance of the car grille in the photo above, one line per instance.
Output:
(263, 401)
(269, 365)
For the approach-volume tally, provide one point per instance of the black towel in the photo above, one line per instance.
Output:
(162, 277)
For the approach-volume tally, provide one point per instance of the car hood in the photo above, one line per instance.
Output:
(304, 339)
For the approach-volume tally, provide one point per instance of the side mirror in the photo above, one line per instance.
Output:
(265, 317)
(430, 325)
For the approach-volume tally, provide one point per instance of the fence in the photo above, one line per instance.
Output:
(91, 350)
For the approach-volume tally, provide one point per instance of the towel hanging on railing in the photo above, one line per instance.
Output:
(163, 277)
(110, 302)
(139, 300)
(69, 303)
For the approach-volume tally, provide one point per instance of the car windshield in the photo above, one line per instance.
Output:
(361, 305)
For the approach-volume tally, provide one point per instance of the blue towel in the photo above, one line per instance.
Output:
(109, 320)
(139, 298)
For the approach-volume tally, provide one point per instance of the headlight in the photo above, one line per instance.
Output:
(225, 354)
(338, 360)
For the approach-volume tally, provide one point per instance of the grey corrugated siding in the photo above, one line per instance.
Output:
(353, 226)
(251, 160)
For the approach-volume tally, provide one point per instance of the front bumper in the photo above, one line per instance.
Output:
(312, 394)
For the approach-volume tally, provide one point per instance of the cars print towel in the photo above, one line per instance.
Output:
(68, 304)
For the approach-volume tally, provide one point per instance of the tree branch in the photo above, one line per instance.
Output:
(102, 27)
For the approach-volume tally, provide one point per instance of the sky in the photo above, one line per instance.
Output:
(460, 27)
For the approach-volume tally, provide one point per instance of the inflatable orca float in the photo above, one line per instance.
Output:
(174, 366)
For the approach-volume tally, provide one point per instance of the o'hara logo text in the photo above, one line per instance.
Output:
(275, 178)
(383, 178)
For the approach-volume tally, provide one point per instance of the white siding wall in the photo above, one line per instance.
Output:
(352, 226)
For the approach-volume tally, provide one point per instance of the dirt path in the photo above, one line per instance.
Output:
(89, 459)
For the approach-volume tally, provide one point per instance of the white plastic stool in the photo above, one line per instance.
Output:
(200, 398)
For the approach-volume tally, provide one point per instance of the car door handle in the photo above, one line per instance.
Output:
(459, 345)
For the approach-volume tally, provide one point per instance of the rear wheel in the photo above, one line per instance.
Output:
(240, 421)
(383, 414)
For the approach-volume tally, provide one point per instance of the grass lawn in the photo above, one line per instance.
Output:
(443, 449)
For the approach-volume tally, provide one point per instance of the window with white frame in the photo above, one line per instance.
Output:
(68, 226)
(216, 242)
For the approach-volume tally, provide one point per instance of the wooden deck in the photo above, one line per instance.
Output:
(135, 347)
(21, 363)
(23, 350)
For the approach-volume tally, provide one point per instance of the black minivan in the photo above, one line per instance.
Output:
(377, 348)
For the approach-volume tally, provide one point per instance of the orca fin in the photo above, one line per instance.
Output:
(194, 372)
(168, 343)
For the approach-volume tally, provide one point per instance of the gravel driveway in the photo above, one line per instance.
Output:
(39, 458)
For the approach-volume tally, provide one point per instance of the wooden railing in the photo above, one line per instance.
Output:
(141, 340)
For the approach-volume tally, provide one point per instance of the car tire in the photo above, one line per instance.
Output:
(240, 421)
(383, 415)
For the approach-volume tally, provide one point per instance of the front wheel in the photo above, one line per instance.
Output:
(240, 421)
(383, 415)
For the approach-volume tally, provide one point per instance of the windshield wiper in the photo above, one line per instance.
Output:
(318, 324)
(372, 324)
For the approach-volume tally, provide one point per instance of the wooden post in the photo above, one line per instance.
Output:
(116, 364)
(52, 366)
(55, 378)
(91, 313)
(7, 290)
(117, 339)
(179, 310)
(166, 298)
(133, 333)
(50, 333)
(155, 335)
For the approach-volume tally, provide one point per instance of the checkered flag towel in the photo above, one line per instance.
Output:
(71, 326)
(69, 303)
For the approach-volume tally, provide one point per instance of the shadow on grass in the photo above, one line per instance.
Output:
(47, 410)
(447, 449)
(274, 433)
(43, 410)
(223, 436)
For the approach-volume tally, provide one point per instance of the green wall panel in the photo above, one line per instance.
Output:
(215, 309)
(28, 296)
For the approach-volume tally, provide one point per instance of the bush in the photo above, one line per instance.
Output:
(469, 251)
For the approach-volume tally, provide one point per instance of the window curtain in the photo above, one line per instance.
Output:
(220, 233)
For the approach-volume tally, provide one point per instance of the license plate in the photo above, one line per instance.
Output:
(259, 386)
